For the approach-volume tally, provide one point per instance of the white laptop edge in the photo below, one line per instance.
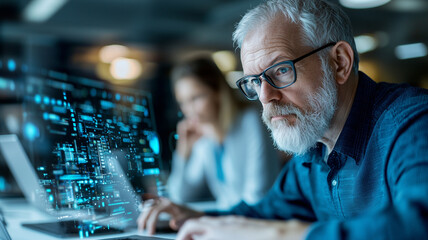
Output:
(27, 179)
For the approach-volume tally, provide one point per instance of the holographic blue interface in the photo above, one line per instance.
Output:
(75, 127)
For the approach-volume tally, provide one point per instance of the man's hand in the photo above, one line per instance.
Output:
(153, 207)
(233, 228)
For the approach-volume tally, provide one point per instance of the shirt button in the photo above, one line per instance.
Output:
(334, 183)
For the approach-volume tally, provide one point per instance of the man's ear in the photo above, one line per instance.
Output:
(342, 56)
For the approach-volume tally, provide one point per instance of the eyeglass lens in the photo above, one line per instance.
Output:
(279, 75)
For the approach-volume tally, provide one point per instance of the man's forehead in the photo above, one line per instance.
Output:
(278, 38)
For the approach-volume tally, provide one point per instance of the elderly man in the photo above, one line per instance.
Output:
(360, 165)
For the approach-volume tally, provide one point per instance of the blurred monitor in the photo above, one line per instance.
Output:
(72, 129)
(72, 125)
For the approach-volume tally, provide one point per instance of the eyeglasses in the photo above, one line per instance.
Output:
(279, 75)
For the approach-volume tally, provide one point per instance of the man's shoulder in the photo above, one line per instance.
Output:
(399, 93)
(401, 112)
(402, 130)
(399, 102)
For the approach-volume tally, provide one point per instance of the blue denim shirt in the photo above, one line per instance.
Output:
(375, 182)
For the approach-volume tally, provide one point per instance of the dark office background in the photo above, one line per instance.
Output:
(154, 34)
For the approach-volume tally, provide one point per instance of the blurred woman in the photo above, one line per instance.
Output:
(223, 149)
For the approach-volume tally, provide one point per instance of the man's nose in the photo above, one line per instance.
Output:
(268, 93)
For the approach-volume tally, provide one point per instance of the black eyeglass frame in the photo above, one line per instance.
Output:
(291, 62)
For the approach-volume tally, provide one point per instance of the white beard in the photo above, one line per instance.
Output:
(309, 127)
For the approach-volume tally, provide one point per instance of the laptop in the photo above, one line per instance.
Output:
(71, 223)
(4, 235)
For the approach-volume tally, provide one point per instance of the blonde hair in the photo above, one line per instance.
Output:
(206, 72)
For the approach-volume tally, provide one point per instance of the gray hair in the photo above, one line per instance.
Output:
(322, 22)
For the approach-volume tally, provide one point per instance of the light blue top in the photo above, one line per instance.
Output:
(244, 167)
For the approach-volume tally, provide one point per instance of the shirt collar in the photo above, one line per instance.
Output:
(353, 138)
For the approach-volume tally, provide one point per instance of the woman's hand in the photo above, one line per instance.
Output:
(188, 133)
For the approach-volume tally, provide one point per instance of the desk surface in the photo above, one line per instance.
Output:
(17, 211)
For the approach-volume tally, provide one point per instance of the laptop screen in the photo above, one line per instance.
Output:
(74, 130)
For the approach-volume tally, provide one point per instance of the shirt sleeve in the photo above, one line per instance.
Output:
(284, 200)
(407, 179)
(187, 180)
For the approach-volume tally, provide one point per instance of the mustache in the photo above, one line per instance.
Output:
(277, 109)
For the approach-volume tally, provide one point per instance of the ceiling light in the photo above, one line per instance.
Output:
(414, 50)
(225, 60)
(108, 53)
(125, 69)
(365, 43)
(363, 3)
(42, 10)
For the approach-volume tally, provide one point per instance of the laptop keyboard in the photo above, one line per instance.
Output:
(69, 228)
(136, 237)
